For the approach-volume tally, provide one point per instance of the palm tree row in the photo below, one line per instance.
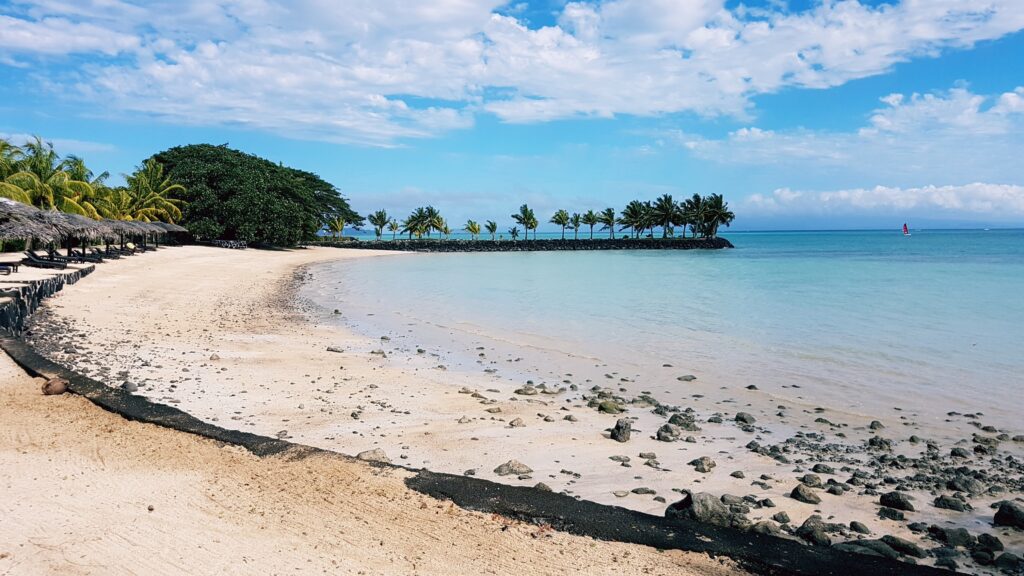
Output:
(702, 215)
(35, 174)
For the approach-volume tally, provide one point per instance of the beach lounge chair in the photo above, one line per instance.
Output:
(6, 268)
(50, 256)
(91, 258)
(35, 262)
(69, 259)
(103, 254)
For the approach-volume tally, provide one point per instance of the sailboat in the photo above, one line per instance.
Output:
(906, 231)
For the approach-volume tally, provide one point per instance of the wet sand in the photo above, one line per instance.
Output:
(219, 334)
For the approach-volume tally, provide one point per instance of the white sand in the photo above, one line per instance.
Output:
(78, 483)
(157, 319)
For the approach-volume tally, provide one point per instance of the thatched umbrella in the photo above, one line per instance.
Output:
(22, 222)
(73, 226)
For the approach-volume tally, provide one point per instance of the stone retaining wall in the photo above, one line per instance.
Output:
(437, 245)
(25, 297)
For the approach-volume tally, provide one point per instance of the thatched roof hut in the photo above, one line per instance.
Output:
(75, 226)
(22, 222)
(170, 227)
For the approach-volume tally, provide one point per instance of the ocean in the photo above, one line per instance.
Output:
(859, 321)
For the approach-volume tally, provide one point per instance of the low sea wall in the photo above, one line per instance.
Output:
(19, 299)
(438, 245)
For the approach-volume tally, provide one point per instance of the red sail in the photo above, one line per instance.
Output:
(905, 229)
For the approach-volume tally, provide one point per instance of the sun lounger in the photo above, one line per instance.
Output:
(91, 258)
(36, 262)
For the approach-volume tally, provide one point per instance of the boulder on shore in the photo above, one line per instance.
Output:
(513, 467)
(621, 431)
(804, 494)
(1010, 513)
(375, 455)
(707, 508)
(55, 386)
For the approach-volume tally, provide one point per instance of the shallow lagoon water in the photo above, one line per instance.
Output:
(850, 320)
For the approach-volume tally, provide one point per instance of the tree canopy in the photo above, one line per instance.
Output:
(232, 195)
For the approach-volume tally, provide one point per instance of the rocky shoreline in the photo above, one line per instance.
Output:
(19, 299)
(438, 245)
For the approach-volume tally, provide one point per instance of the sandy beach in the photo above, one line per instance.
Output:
(220, 335)
(88, 492)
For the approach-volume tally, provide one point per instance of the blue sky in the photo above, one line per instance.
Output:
(805, 114)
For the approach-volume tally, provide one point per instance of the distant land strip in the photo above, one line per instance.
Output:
(439, 245)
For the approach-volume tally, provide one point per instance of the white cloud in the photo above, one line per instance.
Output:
(951, 136)
(1001, 202)
(378, 71)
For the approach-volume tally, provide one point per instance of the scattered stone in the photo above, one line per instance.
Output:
(494, 410)
(744, 418)
(948, 502)
(766, 527)
(703, 464)
(812, 480)
(643, 490)
(903, 546)
(129, 387)
(527, 390)
(329, 349)
(687, 378)
(738, 474)
(954, 537)
(869, 548)
(647, 455)
(964, 483)
(542, 487)
(1008, 562)
(813, 531)
(805, 494)
(990, 542)
(781, 517)
(464, 420)
(946, 562)
(959, 452)
(375, 455)
(823, 469)
(668, 433)
(1010, 514)
(214, 357)
(517, 423)
(897, 500)
(875, 425)
(620, 493)
(859, 527)
(571, 418)
(513, 467)
(890, 514)
(621, 431)
(609, 407)
(685, 421)
(704, 507)
(55, 386)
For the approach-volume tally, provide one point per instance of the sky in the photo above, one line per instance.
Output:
(813, 114)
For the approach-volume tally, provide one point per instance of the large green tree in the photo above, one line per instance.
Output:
(237, 196)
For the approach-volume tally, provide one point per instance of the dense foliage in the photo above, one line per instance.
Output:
(237, 196)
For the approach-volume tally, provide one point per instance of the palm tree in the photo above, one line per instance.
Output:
(415, 223)
(432, 220)
(634, 216)
(561, 218)
(667, 214)
(526, 219)
(717, 213)
(41, 174)
(379, 220)
(607, 218)
(444, 229)
(591, 219)
(694, 212)
(394, 227)
(492, 228)
(336, 226)
(574, 222)
(147, 197)
(473, 228)
(514, 232)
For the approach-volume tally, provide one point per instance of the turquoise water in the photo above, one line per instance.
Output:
(845, 316)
